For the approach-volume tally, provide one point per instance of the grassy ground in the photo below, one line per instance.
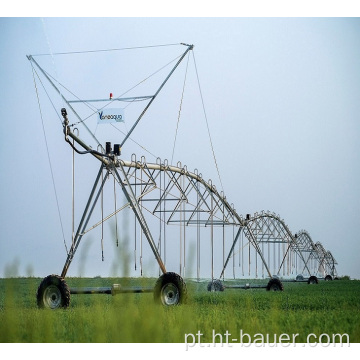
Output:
(327, 308)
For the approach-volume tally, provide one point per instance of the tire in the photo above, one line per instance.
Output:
(215, 285)
(299, 277)
(170, 289)
(53, 293)
(328, 278)
(274, 285)
(313, 280)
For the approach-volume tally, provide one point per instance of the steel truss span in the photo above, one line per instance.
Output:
(287, 254)
(277, 244)
(321, 262)
(177, 196)
(189, 210)
(180, 203)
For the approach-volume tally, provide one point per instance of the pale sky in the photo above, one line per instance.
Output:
(282, 99)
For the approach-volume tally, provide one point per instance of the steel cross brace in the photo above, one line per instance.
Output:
(131, 198)
(111, 164)
(252, 241)
(85, 219)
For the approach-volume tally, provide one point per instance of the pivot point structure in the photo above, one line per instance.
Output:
(173, 195)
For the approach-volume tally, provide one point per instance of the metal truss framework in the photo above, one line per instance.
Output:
(176, 196)
(275, 238)
(319, 260)
(172, 194)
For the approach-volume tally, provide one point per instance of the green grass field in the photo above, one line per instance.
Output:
(327, 308)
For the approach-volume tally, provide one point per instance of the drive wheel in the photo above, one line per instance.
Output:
(328, 278)
(170, 289)
(313, 280)
(274, 285)
(215, 285)
(53, 293)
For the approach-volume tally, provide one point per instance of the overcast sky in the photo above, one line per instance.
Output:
(282, 99)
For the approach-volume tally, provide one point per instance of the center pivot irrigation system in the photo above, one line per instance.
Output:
(178, 214)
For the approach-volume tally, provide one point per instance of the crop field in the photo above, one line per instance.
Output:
(327, 308)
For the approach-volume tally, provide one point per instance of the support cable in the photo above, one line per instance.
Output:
(181, 101)
(135, 237)
(180, 227)
(233, 256)
(198, 233)
(207, 124)
(106, 50)
(262, 263)
(102, 218)
(279, 254)
(92, 108)
(141, 231)
(116, 223)
(164, 222)
(223, 239)
(135, 142)
(189, 47)
(160, 224)
(249, 258)
(49, 159)
(240, 245)
(268, 248)
(256, 264)
(47, 94)
(274, 255)
(62, 96)
(127, 91)
(212, 239)
(242, 253)
(184, 225)
(73, 197)
(51, 53)
(48, 76)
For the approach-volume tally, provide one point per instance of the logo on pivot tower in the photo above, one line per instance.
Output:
(107, 116)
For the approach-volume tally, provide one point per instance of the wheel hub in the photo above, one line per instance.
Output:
(170, 294)
(52, 297)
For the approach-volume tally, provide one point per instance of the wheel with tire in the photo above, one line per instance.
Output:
(53, 293)
(299, 277)
(328, 278)
(274, 285)
(215, 285)
(170, 289)
(313, 280)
